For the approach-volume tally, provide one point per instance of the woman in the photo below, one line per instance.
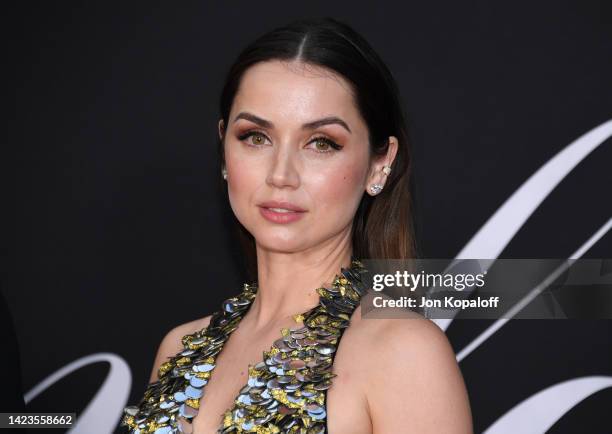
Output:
(315, 156)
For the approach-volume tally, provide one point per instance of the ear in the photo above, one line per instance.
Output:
(221, 128)
(376, 174)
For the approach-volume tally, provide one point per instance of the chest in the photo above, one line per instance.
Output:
(345, 404)
(227, 379)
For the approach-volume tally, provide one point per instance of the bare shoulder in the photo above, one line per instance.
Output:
(172, 342)
(412, 380)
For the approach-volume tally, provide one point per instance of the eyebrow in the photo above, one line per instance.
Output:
(307, 126)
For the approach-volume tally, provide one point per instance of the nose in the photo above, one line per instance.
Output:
(283, 171)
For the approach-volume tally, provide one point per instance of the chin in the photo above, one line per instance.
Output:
(286, 243)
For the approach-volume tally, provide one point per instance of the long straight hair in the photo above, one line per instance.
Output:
(383, 226)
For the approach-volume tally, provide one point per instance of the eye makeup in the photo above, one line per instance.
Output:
(322, 139)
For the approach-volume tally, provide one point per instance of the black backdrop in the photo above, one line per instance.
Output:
(114, 231)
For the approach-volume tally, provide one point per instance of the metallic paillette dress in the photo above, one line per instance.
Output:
(285, 392)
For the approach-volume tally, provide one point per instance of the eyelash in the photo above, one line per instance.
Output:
(330, 142)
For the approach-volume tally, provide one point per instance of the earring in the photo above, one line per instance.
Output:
(386, 170)
(224, 173)
(376, 188)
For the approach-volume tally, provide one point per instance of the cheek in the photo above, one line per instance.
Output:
(243, 179)
(335, 188)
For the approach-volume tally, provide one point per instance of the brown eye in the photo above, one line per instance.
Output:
(258, 139)
(322, 145)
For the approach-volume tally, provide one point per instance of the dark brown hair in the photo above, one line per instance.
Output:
(383, 225)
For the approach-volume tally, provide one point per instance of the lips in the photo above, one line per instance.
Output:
(281, 212)
(281, 206)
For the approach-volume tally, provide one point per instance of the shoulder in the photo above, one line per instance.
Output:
(412, 380)
(172, 342)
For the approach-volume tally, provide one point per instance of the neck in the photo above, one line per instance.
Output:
(288, 282)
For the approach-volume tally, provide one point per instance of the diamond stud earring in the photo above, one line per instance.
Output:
(376, 188)
(224, 173)
(386, 170)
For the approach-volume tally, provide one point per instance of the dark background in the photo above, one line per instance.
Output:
(115, 223)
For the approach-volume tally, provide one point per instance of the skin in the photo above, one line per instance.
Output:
(406, 379)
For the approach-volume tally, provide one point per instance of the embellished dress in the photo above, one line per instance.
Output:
(285, 392)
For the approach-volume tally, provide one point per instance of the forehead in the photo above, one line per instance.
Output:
(294, 92)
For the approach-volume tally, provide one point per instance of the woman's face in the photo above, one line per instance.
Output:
(276, 150)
